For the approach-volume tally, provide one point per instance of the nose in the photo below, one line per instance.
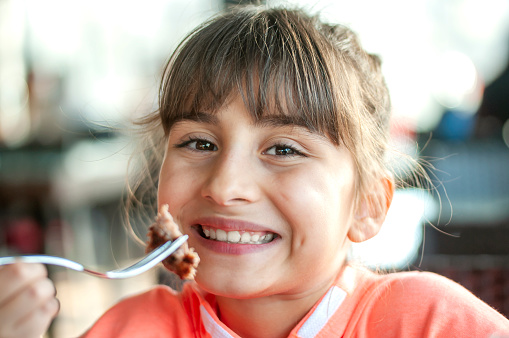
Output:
(231, 180)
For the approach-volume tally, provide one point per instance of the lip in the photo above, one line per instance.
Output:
(230, 225)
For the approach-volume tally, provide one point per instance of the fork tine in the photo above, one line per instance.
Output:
(151, 255)
(160, 253)
(149, 261)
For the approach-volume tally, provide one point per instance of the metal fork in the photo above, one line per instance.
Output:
(144, 264)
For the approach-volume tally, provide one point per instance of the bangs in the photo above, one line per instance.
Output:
(277, 62)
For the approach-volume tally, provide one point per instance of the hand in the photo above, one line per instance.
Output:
(27, 300)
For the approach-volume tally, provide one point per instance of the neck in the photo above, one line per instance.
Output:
(271, 317)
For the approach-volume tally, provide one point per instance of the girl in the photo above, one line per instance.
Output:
(274, 127)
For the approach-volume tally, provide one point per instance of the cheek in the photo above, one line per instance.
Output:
(175, 186)
(316, 202)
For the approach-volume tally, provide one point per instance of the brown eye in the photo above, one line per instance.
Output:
(197, 145)
(283, 150)
(204, 145)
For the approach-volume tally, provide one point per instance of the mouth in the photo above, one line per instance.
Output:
(236, 236)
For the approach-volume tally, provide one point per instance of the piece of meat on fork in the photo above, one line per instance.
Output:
(184, 260)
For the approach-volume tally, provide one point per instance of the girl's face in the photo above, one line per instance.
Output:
(267, 205)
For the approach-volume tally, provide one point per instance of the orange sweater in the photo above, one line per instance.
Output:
(360, 304)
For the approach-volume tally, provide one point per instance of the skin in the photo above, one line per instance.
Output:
(228, 172)
(27, 300)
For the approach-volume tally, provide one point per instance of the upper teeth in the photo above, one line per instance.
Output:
(237, 236)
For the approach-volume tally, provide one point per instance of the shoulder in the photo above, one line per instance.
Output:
(150, 305)
(430, 290)
(158, 296)
(154, 312)
(423, 287)
(418, 302)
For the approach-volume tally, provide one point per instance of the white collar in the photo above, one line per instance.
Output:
(309, 329)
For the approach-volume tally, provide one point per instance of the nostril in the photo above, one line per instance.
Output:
(229, 195)
(230, 181)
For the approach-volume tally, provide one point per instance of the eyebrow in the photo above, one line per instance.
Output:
(282, 121)
(198, 116)
(272, 120)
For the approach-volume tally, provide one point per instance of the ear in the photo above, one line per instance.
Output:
(371, 210)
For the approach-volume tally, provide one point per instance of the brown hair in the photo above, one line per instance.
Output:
(286, 63)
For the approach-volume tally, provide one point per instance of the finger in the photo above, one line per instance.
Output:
(26, 302)
(37, 322)
(16, 277)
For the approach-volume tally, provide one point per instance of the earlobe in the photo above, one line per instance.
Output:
(371, 211)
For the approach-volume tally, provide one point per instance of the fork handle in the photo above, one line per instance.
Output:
(44, 259)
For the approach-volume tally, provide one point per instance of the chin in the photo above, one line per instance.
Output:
(237, 287)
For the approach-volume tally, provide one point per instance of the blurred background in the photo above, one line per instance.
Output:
(75, 74)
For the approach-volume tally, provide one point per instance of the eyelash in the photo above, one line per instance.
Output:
(186, 144)
(190, 140)
(286, 147)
